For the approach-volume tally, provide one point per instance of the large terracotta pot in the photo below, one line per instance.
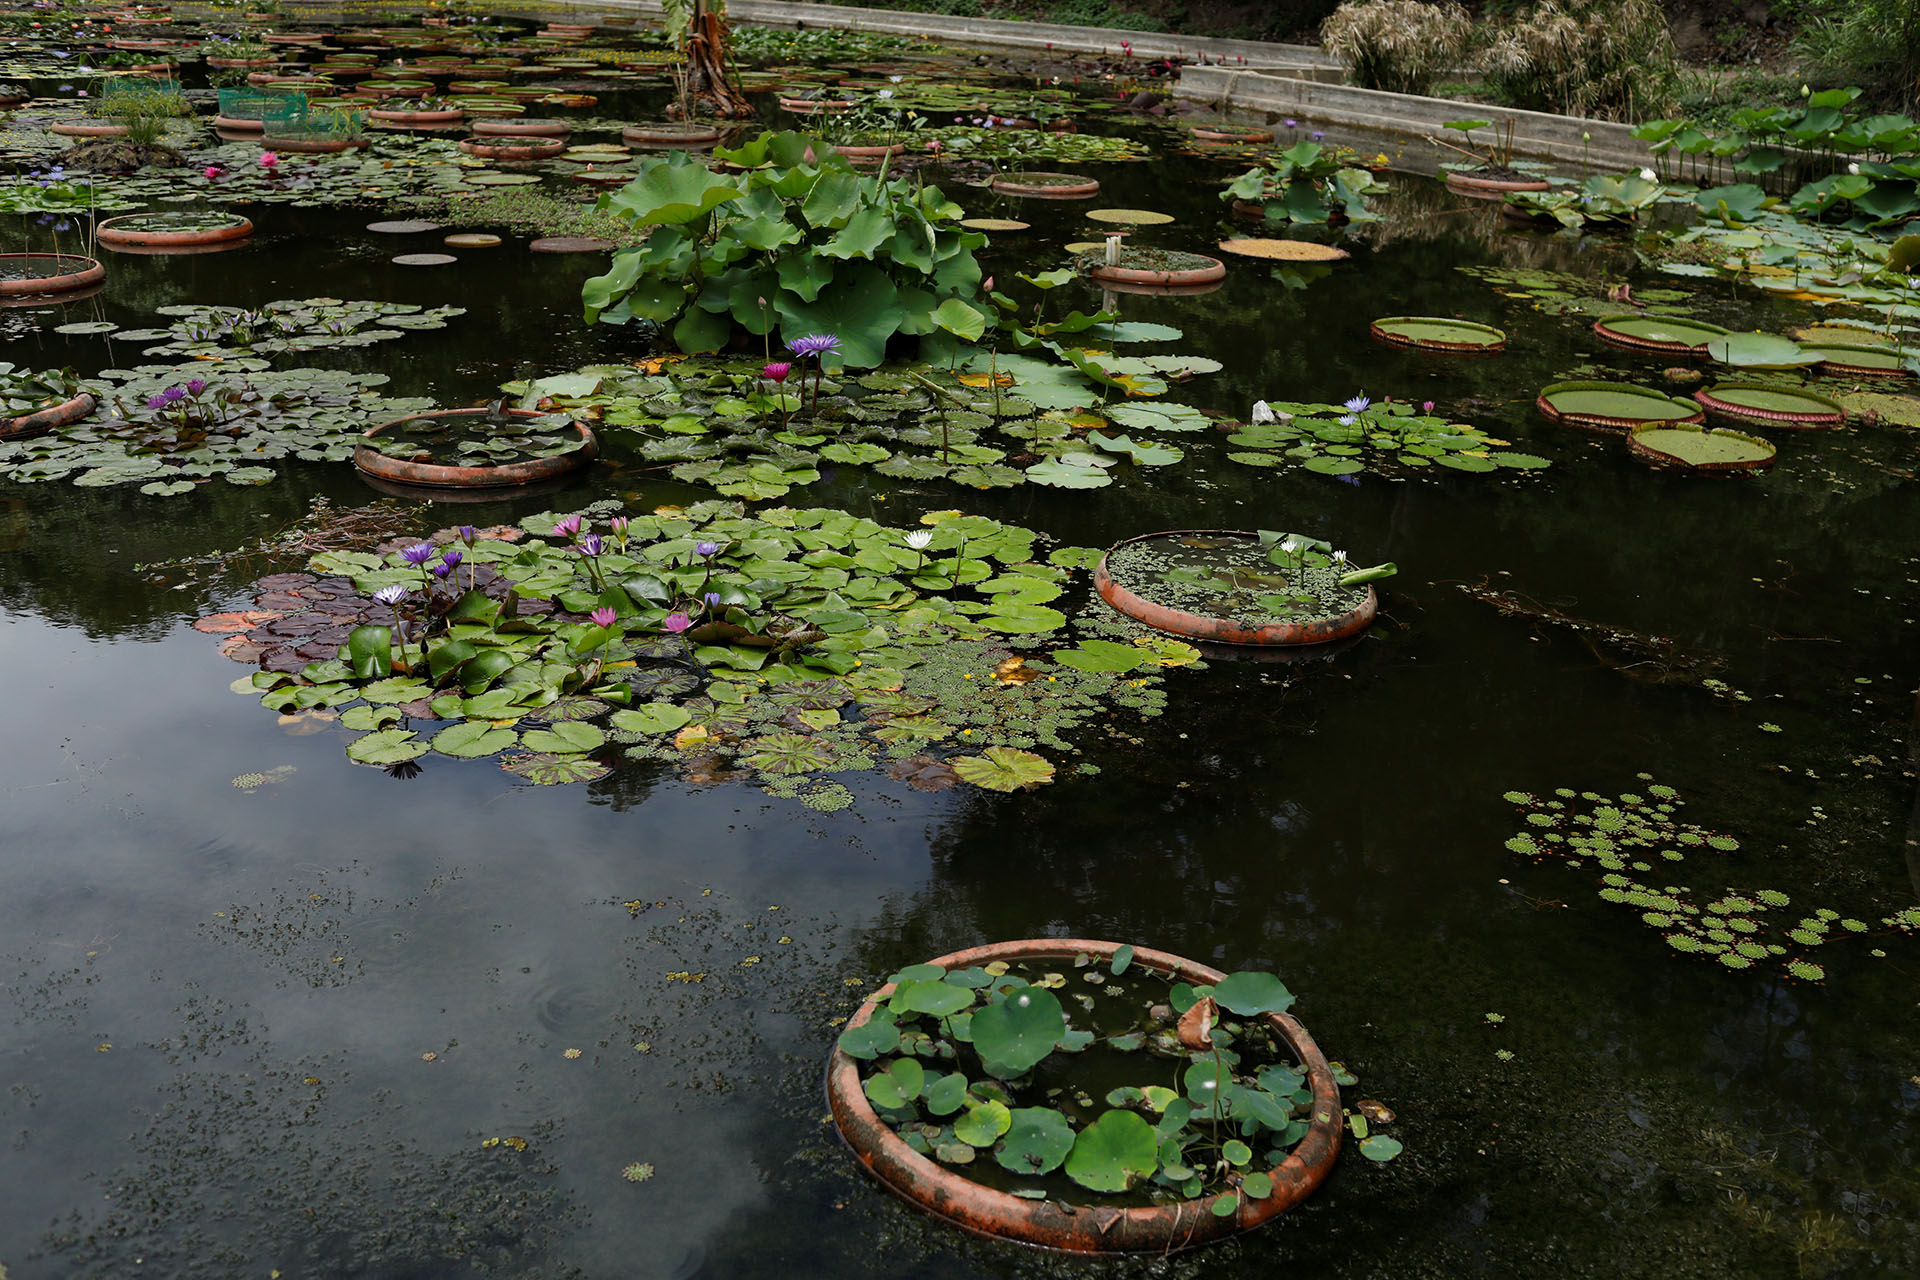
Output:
(370, 461)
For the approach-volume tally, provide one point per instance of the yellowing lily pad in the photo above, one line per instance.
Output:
(1283, 250)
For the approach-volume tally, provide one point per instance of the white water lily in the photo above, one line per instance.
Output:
(1648, 175)
(919, 539)
(1113, 251)
(1854, 169)
(1262, 414)
(1340, 557)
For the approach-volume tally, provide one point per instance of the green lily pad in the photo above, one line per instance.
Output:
(386, 746)
(1003, 769)
(473, 738)
(554, 770)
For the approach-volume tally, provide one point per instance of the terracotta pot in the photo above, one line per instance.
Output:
(310, 146)
(1083, 1229)
(68, 129)
(1142, 275)
(372, 462)
(513, 148)
(814, 106)
(1232, 135)
(512, 128)
(116, 237)
(1162, 290)
(671, 135)
(1012, 186)
(872, 153)
(47, 419)
(74, 272)
(230, 63)
(1225, 631)
(451, 116)
(1469, 184)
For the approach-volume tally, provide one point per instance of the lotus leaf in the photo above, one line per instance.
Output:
(1117, 1150)
(1014, 1033)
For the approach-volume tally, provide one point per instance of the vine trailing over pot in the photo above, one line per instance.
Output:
(800, 242)
(967, 1063)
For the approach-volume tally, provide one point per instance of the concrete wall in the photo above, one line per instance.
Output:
(1601, 143)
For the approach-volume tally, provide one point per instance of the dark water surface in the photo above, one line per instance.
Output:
(277, 1028)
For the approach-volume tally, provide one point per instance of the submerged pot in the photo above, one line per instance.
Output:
(1197, 626)
(1082, 1229)
(47, 273)
(371, 462)
(54, 415)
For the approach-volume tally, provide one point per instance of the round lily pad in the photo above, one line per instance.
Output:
(406, 227)
(1615, 406)
(1768, 405)
(995, 224)
(1696, 448)
(1283, 250)
(471, 240)
(424, 259)
(1866, 359)
(1760, 351)
(1432, 333)
(1129, 217)
(490, 179)
(1657, 333)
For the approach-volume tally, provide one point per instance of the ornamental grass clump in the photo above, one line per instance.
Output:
(1402, 46)
(1612, 59)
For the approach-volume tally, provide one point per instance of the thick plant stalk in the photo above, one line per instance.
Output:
(705, 51)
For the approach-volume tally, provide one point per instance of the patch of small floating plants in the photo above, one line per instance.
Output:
(1697, 448)
(783, 647)
(1091, 1097)
(169, 428)
(1264, 588)
(1029, 421)
(1613, 406)
(302, 324)
(1338, 440)
(1638, 840)
(480, 440)
(1437, 333)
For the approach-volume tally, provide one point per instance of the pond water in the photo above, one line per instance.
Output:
(272, 1010)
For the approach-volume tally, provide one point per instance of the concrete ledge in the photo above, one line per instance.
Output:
(1596, 143)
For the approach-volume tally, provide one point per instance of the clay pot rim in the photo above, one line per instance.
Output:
(74, 129)
(520, 127)
(450, 115)
(113, 237)
(1083, 1229)
(371, 461)
(1010, 185)
(1249, 134)
(1194, 626)
(92, 273)
(1655, 458)
(1143, 275)
(495, 147)
(1468, 182)
(41, 420)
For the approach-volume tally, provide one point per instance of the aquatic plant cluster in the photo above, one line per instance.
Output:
(1638, 841)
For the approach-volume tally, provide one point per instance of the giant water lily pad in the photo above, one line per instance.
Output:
(1657, 333)
(1434, 333)
(1760, 351)
(1698, 448)
(1861, 358)
(1616, 406)
(1767, 404)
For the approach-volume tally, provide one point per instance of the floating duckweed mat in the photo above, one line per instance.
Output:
(1771, 405)
(1638, 840)
(1657, 333)
(1340, 440)
(1433, 333)
(786, 647)
(1700, 448)
(1617, 406)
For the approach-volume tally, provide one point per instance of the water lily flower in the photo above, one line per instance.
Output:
(814, 344)
(391, 595)
(604, 616)
(1854, 169)
(1426, 406)
(777, 371)
(1648, 175)
(156, 402)
(268, 159)
(591, 545)
(466, 534)
(1293, 124)
(441, 570)
(1262, 414)
(213, 171)
(1358, 404)
(173, 395)
(676, 623)
(713, 599)
(451, 558)
(707, 549)
(417, 554)
(567, 526)
(1340, 557)
(195, 386)
(920, 539)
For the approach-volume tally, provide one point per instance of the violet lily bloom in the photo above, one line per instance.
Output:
(451, 558)
(391, 595)
(591, 545)
(676, 623)
(814, 344)
(418, 554)
(567, 526)
(707, 549)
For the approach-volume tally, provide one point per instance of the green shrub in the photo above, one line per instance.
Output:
(1402, 46)
(1872, 43)
(1614, 59)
